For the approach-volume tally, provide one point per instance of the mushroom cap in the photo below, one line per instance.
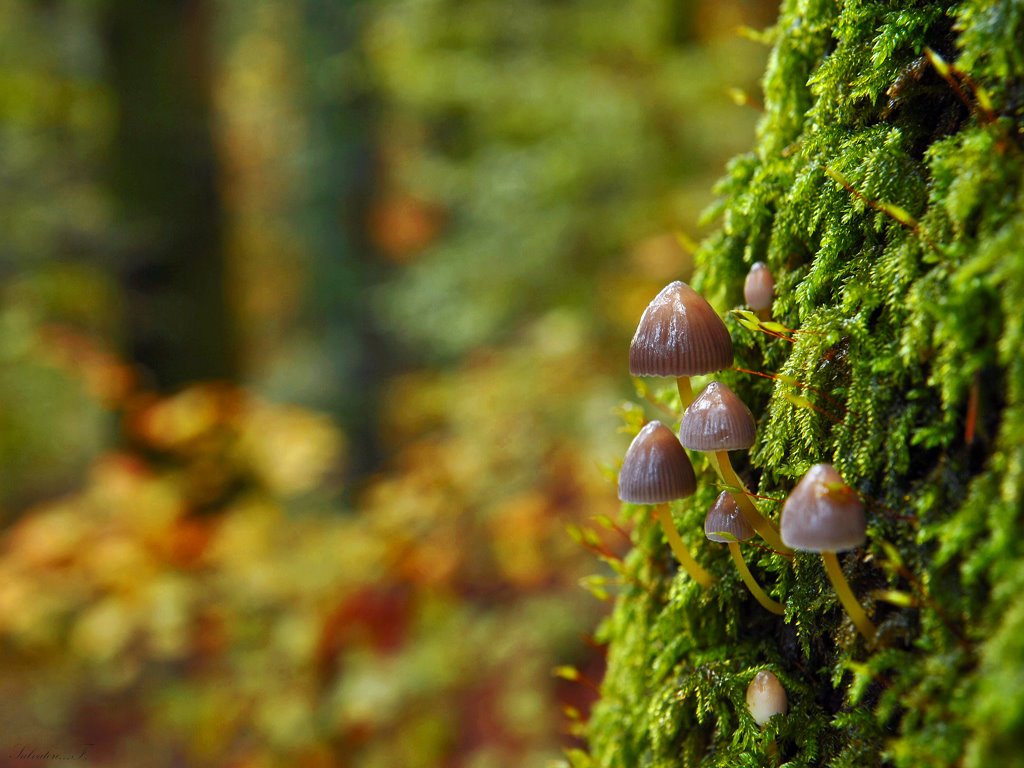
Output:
(679, 335)
(766, 697)
(656, 469)
(725, 522)
(822, 513)
(759, 287)
(717, 421)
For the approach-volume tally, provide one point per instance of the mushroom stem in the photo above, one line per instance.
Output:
(682, 554)
(846, 596)
(748, 579)
(758, 522)
(685, 392)
(764, 315)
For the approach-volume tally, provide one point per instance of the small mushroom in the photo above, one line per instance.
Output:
(656, 470)
(718, 422)
(680, 335)
(726, 524)
(766, 697)
(823, 514)
(759, 289)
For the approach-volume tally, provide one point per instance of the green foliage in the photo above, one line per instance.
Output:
(56, 116)
(888, 205)
(551, 135)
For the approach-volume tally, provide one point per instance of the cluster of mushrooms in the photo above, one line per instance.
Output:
(680, 335)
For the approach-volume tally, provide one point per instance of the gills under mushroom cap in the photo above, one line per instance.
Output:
(823, 514)
(656, 469)
(679, 334)
(717, 421)
(725, 522)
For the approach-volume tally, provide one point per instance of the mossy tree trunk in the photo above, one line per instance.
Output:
(886, 196)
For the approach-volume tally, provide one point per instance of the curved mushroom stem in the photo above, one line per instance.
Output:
(764, 315)
(764, 527)
(846, 597)
(748, 579)
(685, 392)
(682, 554)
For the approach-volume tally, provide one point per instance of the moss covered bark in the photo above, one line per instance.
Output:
(886, 196)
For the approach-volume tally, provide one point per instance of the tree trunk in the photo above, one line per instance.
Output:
(885, 195)
(164, 174)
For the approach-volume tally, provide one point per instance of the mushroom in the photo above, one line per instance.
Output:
(656, 470)
(823, 514)
(726, 524)
(718, 422)
(680, 335)
(759, 289)
(766, 697)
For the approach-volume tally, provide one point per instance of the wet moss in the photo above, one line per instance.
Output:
(887, 200)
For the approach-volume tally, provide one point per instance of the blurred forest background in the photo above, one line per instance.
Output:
(313, 326)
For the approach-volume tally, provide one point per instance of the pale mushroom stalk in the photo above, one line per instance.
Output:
(748, 578)
(717, 422)
(725, 523)
(853, 607)
(685, 392)
(764, 527)
(678, 546)
(656, 470)
(823, 514)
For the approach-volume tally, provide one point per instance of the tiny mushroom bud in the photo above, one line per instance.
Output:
(718, 422)
(766, 697)
(656, 470)
(759, 289)
(725, 523)
(823, 514)
(680, 335)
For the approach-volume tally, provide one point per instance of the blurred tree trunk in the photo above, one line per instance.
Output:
(164, 173)
(341, 193)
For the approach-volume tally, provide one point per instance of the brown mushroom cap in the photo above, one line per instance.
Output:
(822, 513)
(766, 697)
(759, 287)
(725, 523)
(656, 469)
(679, 335)
(717, 421)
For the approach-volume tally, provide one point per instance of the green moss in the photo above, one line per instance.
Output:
(892, 215)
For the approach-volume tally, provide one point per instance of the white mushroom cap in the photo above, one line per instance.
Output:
(822, 513)
(766, 697)
(759, 287)
(656, 469)
(679, 334)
